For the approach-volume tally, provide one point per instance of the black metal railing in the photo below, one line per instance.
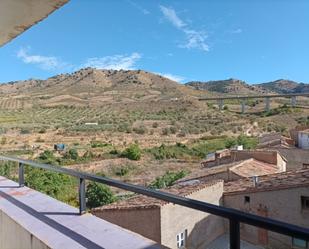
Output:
(234, 216)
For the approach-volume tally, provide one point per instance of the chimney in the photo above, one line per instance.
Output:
(255, 180)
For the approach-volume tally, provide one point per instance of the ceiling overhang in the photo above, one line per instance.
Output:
(16, 16)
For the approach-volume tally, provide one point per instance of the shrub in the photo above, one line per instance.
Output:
(47, 157)
(124, 170)
(98, 144)
(25, 131)
(133, 152)
(3, 141)
(50, 183)
(43, 130)
(140, 130)
(98, 195)
(8, 169)
(165, 131)
(71, 154)
(168, 179)
(230, 142)
(155, 125)
(173, 129)
(247, 142)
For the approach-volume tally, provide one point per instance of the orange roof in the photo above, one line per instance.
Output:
(290, 179)
(252, 167)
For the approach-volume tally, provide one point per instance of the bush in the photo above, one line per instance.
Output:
(25, 131)
(124, 170)
(133, 152)
(247, 142)
(51, 183)
(98, 195)
(165, 131)
(98, 144)
(230, 142)
(168, 179)
(47, 157)
(8, 169)
(3, 141)
(140, 130)
(43, 130)
(155, 125)
(71, 154)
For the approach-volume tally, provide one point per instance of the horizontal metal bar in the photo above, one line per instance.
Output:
(229, 213)
(256, 96)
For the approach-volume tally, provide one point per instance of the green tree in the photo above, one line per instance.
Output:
(54, 184)
(230, 142)
(98, 195)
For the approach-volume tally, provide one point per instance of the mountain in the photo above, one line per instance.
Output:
(230, 86)
(95, 87)
(238, 87)
(284, 86)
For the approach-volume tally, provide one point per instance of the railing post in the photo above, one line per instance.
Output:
(21, 179)
(82, 195)
(234, 234)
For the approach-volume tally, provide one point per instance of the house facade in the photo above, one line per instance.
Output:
(171, 225)
(283, 196)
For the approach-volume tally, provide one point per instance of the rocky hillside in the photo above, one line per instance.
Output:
(284, 86)
(230, 86)
(234, 86)
(95, 87)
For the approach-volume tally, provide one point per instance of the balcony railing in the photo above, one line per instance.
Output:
(234, 216)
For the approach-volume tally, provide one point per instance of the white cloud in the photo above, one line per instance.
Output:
(171, 15)
(195, 39)
(49, 63)
(139, 7)
(116, 62)
(173, 77)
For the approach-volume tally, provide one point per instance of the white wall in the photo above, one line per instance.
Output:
(303, 140)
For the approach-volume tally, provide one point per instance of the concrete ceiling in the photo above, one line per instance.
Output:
(16, 16)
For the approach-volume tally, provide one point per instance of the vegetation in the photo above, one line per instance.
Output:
(200, 148)
(133, 152)
(98, 195)
(168, 179)
(59, 186)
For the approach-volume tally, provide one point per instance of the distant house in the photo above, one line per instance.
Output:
(303, 139)
(231, 157)
(275, 140)
(283, 196)
(301, 136)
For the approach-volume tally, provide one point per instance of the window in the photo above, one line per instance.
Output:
(181, 239)
(247, 199)
(305, 165)
(305, 202)
(299, 243)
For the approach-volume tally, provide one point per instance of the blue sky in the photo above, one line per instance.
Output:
(256, 41)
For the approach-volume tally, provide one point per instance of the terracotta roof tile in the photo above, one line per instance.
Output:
(252, 167)
(142, 201)
(290, 179)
